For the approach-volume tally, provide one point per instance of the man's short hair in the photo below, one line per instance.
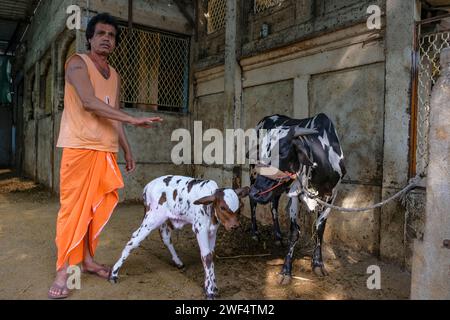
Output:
(104, 18)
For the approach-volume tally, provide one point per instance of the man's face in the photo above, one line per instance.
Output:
(103, 41)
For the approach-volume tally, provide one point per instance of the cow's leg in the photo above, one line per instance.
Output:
(165, 231)
(255, 233)
(276, 224)
(150, 223)
(286, 272)
(253, 204)
(208, 263)
(212, 236)
(317, 262)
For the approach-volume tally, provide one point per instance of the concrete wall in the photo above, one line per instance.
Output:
(5, 136)
(152, 152)
(29, 161)
(45, 147)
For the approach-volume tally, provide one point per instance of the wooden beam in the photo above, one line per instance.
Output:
(13, 39)
(185, 13)
(9, 19)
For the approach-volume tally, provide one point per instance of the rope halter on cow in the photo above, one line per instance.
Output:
(274, 174)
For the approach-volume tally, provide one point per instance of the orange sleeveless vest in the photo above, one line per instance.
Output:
(83, 129)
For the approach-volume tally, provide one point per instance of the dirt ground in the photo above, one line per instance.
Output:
(27, 259)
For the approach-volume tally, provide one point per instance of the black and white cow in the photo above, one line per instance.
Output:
(174, 201)
(310, 163)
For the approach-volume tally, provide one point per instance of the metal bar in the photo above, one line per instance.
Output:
(434, 19)
(130, 14)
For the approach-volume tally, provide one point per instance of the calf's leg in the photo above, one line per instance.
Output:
(208, 264)
(165, 231)
(150, 223)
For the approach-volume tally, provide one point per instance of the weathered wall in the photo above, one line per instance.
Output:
(45, 146)
(29, 161)
(357, 110)
(151, 148)
(5, 135)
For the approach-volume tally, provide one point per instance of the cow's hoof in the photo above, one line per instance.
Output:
(284, 279)
(320, 271)
(179, 266)
(211, 296)
(113, 279)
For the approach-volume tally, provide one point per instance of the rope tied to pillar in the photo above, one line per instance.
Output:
(283, 177)
(412, 184)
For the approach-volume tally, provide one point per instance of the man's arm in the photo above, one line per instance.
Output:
(123, 141)
(77, 75)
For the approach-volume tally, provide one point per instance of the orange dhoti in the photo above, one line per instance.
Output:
(88, 194)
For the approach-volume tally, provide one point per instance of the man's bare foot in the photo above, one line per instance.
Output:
(59, 289)
(93, 267)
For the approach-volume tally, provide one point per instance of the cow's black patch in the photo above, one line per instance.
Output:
(192, 183)
(167, 180)
(203, 183)
(162, 199)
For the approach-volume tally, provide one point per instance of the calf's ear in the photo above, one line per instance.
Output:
(205, 200)
(242, 192)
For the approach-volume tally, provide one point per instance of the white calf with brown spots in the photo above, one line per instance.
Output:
(174, 201)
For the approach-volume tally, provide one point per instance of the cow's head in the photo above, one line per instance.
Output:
(227, 205)
(286, 150)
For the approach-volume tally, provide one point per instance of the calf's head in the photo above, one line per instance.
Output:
(227, 205)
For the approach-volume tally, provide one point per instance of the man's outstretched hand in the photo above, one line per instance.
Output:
(144, 122)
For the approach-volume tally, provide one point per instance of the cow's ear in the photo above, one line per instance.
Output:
(302, 154)
(242, 192)
(205, 200)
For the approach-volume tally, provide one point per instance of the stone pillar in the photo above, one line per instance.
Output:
(431, 261)
(400, 18)
(232, 79)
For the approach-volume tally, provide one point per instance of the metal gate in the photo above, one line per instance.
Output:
(429, 42)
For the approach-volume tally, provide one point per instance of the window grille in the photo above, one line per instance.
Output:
(154, 69)
(216, 15)
(261, 5)
(430, 47)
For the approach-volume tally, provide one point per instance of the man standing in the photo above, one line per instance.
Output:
(90, 134)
